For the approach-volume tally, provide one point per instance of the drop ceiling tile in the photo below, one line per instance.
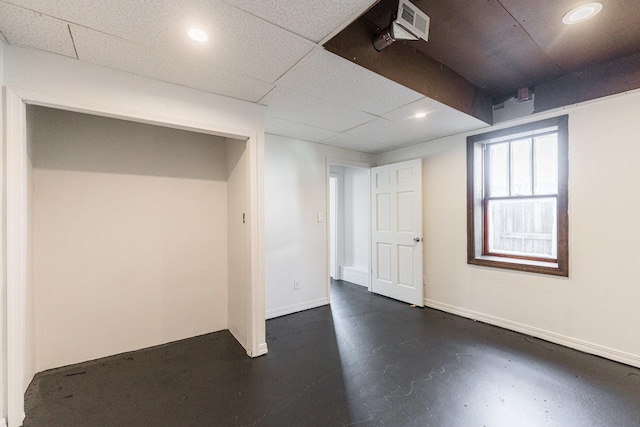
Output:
(408, 111)
(24, 27)
(49, 7)
(298, 107)
(311, 19)
(238, 41)
(344, 140)
(387, 132)
(102, 49)
(326, 75)
(441, 120)
(276, 126)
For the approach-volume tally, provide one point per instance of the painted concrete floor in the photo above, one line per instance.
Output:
(364, 361)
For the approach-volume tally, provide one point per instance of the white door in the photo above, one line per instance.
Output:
(396, 220)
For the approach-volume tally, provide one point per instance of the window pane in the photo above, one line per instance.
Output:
(521, 168)
(546, 164)
(523, 227)
(499, 170)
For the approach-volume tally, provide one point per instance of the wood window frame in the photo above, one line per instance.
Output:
(477, 239)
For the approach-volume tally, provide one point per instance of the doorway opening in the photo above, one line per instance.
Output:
(244, 157)
(375, 228)
(349, 224)
(135, 231)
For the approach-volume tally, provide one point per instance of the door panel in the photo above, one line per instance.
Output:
(396, 196)
(384, 262)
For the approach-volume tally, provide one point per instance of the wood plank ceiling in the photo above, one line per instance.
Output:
(500, 46)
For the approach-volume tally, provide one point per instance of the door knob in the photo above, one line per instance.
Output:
(417, 239)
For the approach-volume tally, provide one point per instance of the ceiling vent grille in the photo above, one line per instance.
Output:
(413, 20)
(410, 24)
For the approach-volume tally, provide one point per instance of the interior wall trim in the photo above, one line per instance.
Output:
(355, 275)
(566, 341)
(262, 350)
(283, 311)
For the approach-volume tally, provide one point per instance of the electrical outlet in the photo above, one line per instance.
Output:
(296, 285)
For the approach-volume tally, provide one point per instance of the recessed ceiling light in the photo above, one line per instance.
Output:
(420, 115)
(582, 13)
(198, 35)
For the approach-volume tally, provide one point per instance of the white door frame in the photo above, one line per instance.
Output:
(349, 164)
(335, 205)
(16, 100)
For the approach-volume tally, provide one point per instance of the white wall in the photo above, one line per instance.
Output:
(596, 308)
(130, 235)
(356, 225)
(296, 244)
(239, 258)
(3, 277)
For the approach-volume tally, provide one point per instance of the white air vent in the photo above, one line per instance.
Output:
(413, 20)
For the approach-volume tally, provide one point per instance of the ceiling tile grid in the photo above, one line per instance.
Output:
(26, 28)
(238, 41)
(109, 51)
(325, 75)
(440, 119)
(350, 142)
(311, 19)
(259, 51)
(48, 7)
(386, 132)
(277, 126)
(298, 107)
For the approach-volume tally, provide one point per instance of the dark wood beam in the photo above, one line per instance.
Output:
(615, 76)
(404, 64)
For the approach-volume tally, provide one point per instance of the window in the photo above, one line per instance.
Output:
(517, 198)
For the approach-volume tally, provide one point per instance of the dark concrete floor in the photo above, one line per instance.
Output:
(366, 361)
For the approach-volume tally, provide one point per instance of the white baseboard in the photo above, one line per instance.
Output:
(262, 349)
(3, 422)
(354, 275)
(577, 344)
(283, 311)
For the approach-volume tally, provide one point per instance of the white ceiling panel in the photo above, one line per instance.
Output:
(331, 77)
(238, 41)
(310, 19)
(102, 49)
(24, 27)
(344, 140)
(49, 7)
(298, 107)
(276, 126)
(440, 120)
(387, 132)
